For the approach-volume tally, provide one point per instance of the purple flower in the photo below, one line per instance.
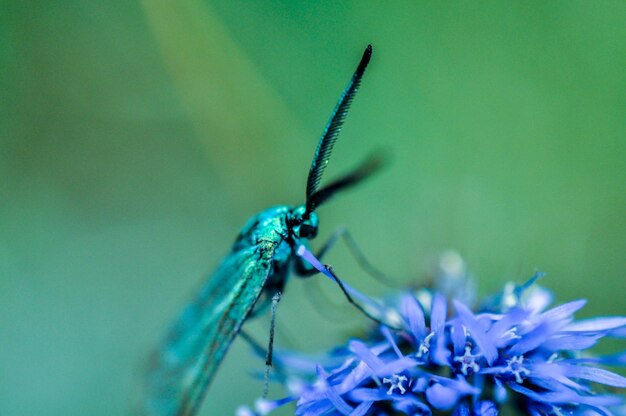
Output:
(447, 358)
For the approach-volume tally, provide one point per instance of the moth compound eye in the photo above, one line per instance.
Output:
(308, 231)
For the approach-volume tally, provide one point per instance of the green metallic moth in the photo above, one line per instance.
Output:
(249, 277)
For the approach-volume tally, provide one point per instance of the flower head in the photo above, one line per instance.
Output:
(447, 358)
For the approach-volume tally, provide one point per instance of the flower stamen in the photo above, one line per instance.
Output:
(395, 383)
(515, 367)
(424, 347)
(468, 361)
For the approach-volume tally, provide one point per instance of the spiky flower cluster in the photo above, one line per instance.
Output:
(443, 358)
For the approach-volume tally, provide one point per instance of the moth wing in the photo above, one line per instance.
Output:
(183, 367)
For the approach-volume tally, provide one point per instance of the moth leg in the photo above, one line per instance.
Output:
(270, 348)
(304, 269)
(362, 260)
(259, 350)
(351, 300)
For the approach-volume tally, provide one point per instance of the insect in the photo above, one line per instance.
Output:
(251, 276)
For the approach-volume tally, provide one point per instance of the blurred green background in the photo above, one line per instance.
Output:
(136, 138)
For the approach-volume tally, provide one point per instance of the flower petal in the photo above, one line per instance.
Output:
(562, 312)
(361, 350)
(534, 339)
(361, 409)
(597, 324)
(440, 397)
(413, 312)
(597, 375)
(438, 314)
(487, 348)
(570, 342)
(485, 408)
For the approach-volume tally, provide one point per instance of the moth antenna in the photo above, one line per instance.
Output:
(371, 165)
(332, 129)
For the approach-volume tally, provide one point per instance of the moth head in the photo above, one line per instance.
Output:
(303, 224)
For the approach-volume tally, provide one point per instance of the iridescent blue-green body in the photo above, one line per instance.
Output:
(255, 270)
